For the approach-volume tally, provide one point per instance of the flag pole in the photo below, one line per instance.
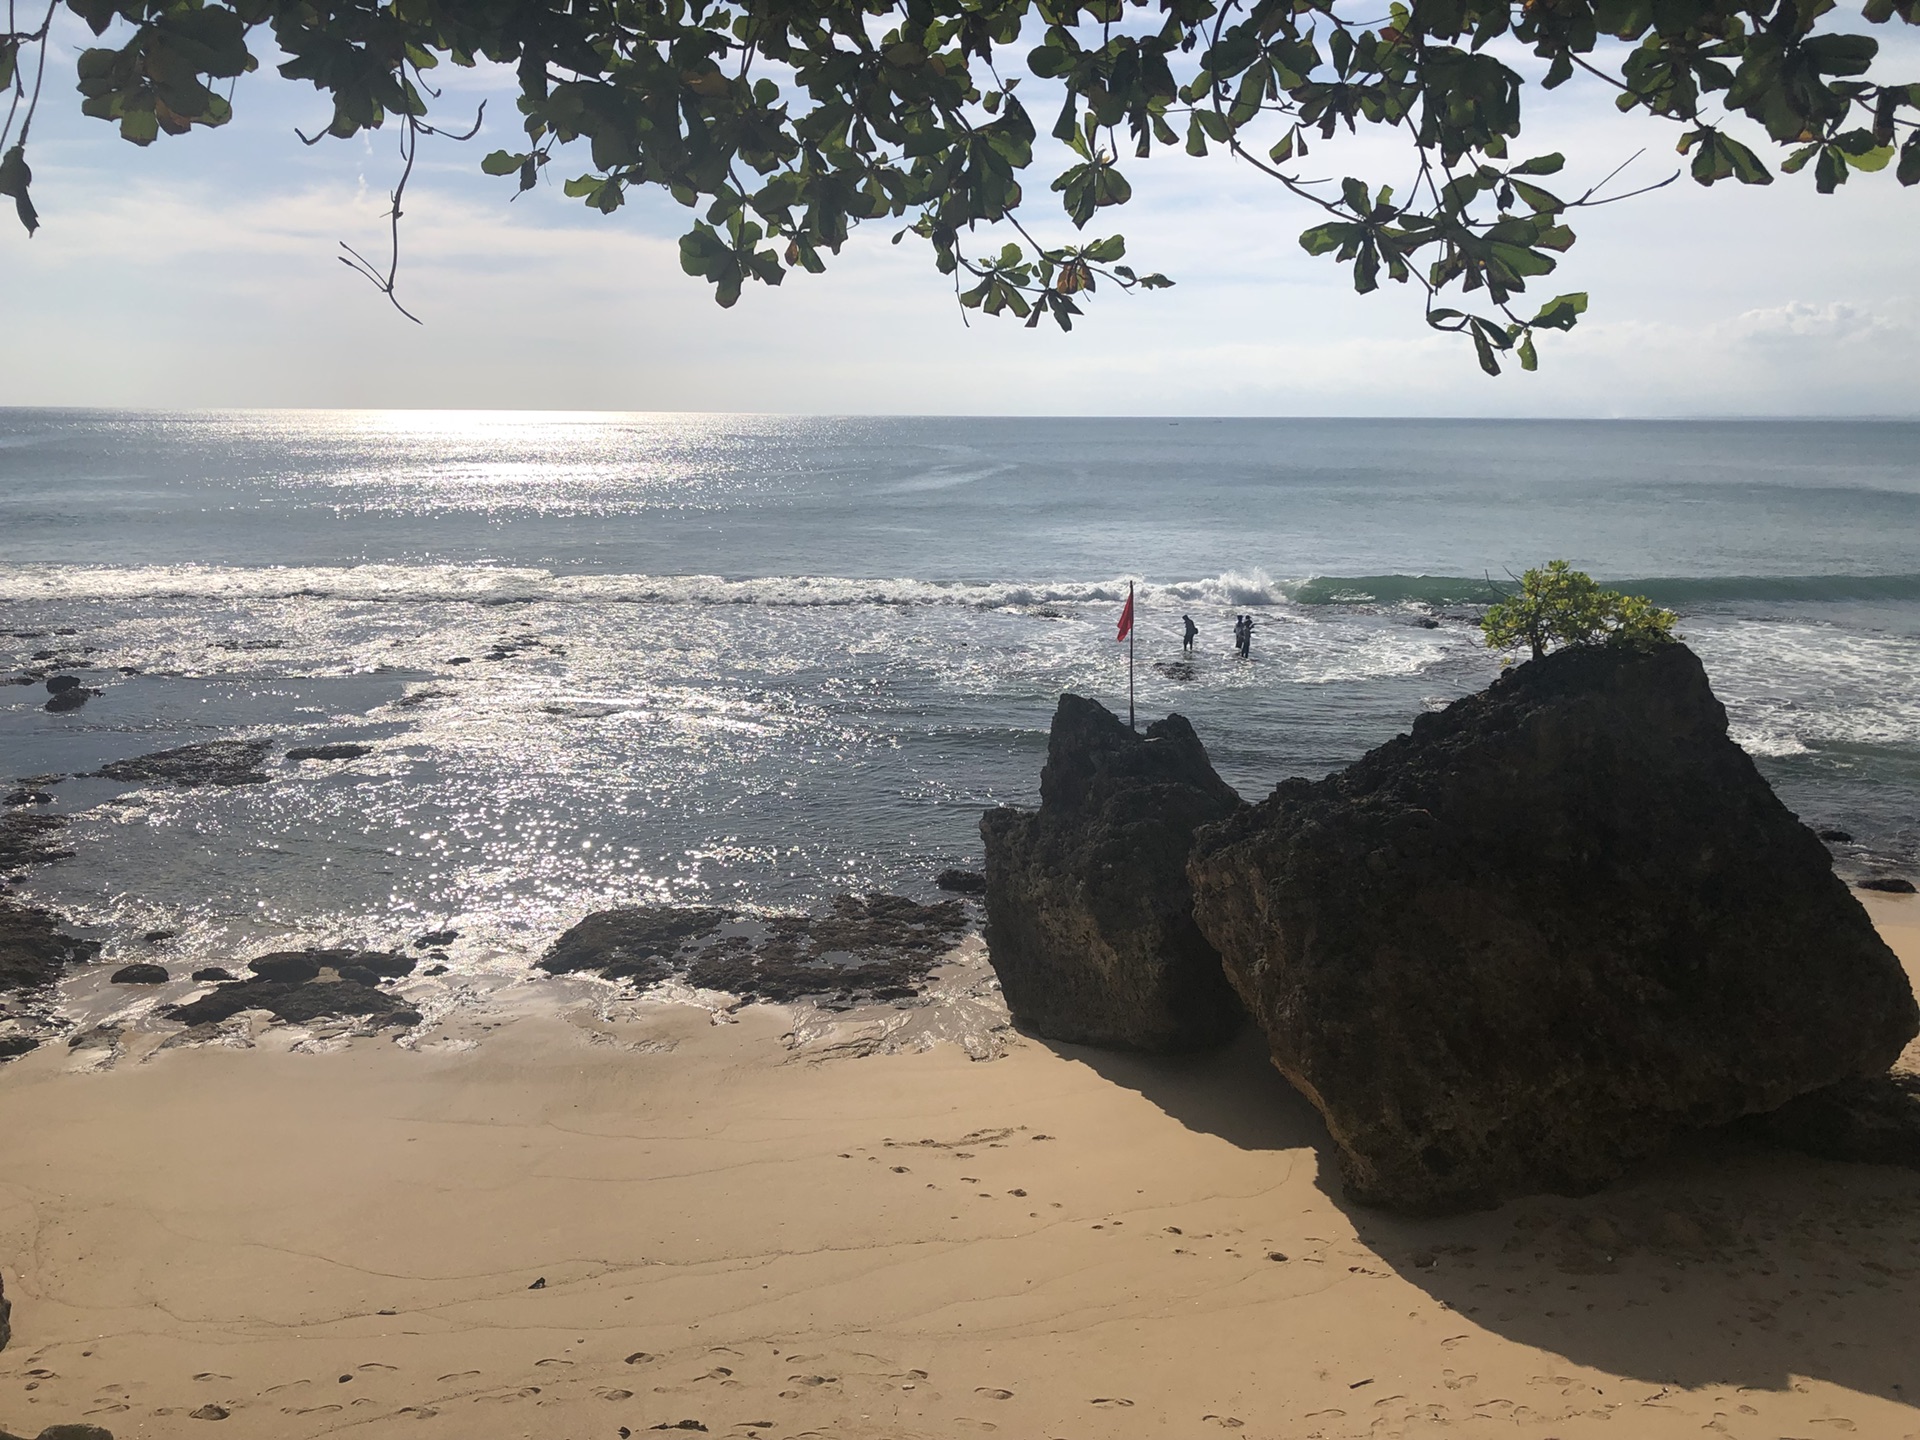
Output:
(1130, 630)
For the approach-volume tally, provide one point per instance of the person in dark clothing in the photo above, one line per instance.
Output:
(1192, 631)
(1240, 634)
(1246, 638)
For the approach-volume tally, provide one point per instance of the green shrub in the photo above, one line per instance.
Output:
(1559, 606)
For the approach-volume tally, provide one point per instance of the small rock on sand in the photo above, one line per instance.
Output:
(1889, 884)
(141, 975)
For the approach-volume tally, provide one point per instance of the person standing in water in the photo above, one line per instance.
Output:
(1246, 637)
(1192, 631)
(1240, 634)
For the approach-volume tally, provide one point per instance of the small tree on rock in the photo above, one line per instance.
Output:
(1561, 606)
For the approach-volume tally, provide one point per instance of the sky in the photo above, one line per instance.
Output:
(202, 272)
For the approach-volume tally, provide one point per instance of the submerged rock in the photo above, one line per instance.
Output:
(1089, 911)
(64, 700)
(12, 1047)
(342, 751)
(34, 950)
(217, 762)
(961, 882)
(29, 839)
(873, 947)
(1561, 922)
(1888, 884)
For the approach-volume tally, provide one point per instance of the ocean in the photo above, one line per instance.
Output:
(762, 661)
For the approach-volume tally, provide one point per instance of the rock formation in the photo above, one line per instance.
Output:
(1561, 922)
(1869, 1122)
(344, 750)
(1089, 913)
(6, 1315)
(141, 974)
(217, 762)
(300, 986)
(34, 950)
(865, 948)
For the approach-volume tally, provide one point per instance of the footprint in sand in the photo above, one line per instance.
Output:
(605, 1394)
(466, 1375)
(505, 1396)
(295, 1385)
(1112, 1403)
(419, 1412)
(1325, 1415)
(993, 1392)
(311, 1410)
(376, 1365)
(638, 1357)
(203, 1375)
(1226, 1422)
(209, 1412)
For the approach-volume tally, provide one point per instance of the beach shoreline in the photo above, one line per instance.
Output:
(774, 1222)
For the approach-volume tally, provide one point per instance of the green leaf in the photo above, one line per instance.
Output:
(15, 178)
(1484, 350)
(1561, 312)
(501, 163)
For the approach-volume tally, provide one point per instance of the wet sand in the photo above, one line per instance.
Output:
(588, 1226)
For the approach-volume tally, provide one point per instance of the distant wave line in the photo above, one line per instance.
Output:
(501, 585)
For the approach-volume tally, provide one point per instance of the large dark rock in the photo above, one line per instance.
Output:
(1089, 913)
(34, 950)
(1562, 922)
(6, 1315)
(217, 762)
(141, 974)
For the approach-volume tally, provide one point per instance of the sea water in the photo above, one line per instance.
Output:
(604, 659)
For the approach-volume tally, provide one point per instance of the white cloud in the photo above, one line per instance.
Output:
(203, 271)
(1798, 320)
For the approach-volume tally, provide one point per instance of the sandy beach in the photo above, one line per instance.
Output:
(611, 1220)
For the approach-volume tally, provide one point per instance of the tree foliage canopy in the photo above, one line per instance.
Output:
(782, 124)
(1559, 606)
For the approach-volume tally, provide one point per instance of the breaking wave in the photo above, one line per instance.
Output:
(504, 585)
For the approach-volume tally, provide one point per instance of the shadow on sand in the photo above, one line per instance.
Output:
(1719, 1263)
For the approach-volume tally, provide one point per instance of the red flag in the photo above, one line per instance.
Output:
(1126, 617)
